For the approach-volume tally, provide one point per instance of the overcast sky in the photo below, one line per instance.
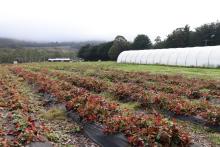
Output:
(80, 20)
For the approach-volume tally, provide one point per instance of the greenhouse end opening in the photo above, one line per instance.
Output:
(208, 56)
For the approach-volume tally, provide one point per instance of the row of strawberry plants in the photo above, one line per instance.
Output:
(139, 77)
(150, 98)
(168, 102)
(18, 127)
(89, 83)
(140, 129)
(169, 84)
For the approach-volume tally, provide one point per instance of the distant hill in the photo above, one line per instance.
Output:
(14, 43)
(29, 51)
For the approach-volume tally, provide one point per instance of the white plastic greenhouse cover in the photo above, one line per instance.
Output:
(208, 56)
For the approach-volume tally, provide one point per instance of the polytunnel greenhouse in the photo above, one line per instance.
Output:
(208, 56)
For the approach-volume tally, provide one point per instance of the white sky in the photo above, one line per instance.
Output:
(79, 20)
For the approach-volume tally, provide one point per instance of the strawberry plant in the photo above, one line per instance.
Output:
(17, 122)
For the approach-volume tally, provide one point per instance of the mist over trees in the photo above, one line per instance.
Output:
(14, 43)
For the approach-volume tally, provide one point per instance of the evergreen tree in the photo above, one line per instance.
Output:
(120, 44)
(142, 42)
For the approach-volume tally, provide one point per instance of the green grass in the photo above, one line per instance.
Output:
(132, 106)
(215, 138)
(54, 113)
(205, 73)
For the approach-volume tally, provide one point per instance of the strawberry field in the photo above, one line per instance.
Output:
(147, 109)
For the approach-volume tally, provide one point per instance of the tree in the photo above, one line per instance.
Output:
(83, 52)
(103, 50)
(159, 43)
(95, 52)
(120, 44)
(141, 42)
(207, 34)
(158, 39)
(179, 38)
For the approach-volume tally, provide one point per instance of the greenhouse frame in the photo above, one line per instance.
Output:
(208, 56)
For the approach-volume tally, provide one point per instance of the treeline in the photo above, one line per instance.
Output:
(9, 55)
(205, 35)
(111, 50)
